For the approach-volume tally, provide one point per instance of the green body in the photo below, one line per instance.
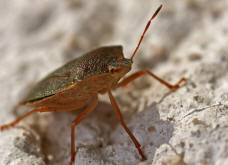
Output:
(93, 63)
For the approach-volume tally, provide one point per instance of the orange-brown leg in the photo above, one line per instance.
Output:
(120, 117)
(39, 109)
(138, 74)
(76, 121)
(6, 126)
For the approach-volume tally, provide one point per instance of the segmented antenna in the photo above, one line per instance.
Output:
(146, 28)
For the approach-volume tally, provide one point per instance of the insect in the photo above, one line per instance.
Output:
(78, 83)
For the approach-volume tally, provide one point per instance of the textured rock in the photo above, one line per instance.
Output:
(188, 38)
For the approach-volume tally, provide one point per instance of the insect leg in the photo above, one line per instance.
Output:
(142, 72)
(76, 121)
(39, 109)
(6, 126)
(120, 117)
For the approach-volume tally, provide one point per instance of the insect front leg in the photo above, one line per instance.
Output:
(120, 117)
(76, 121)
(138, 74)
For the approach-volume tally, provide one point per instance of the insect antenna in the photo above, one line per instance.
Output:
(146, 28)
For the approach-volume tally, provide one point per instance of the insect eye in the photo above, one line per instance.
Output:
(113, 69)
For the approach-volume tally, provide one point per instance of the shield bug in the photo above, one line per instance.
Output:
(79, 82)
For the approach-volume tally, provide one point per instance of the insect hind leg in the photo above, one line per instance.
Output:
(12, 124)
(38, 109)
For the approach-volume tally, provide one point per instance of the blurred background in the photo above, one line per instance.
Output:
(38, 36)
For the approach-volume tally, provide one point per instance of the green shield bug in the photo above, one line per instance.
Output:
(79, 82)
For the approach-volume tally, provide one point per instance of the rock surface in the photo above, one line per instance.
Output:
(187, 39)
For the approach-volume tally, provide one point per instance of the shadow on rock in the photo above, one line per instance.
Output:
(150, 131)
(101, 140)
(91, 135)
